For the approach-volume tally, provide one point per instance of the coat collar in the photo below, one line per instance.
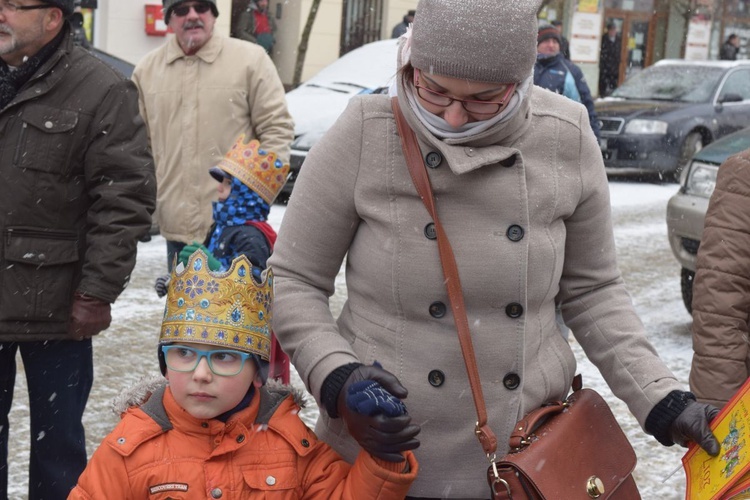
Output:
(208, 53)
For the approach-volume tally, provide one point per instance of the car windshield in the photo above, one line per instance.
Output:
(671, 83)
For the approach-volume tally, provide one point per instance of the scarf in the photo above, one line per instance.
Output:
(241, 206)
(13, 79)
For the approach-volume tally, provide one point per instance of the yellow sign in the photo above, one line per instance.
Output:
(591, 6)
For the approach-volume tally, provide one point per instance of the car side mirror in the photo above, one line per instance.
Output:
(730, 98)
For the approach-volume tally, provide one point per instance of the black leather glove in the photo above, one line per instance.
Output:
(161, 285)
(692, 425)
(381, 436)
(88, 317)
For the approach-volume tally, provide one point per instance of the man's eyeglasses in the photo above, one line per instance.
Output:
(224, 363)
(12, 7)
(473, 107)
(182, 10)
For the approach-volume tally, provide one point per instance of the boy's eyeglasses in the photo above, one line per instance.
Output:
(182, 10)
(473, 107)
(12, 7)
(224, 363)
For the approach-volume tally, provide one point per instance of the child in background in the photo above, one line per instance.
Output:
(216, 429)
(249, 179)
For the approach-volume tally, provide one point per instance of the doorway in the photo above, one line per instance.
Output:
(637, 47)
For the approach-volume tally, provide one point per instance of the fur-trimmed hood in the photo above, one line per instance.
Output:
(272, 391)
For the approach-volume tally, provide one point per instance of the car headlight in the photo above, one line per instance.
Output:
(701, 180)
(654, 127)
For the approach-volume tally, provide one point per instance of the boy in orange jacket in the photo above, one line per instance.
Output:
(216, 429)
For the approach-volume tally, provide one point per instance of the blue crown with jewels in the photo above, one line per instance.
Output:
(222, 308)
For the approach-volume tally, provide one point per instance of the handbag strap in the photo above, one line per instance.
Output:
(421, 180)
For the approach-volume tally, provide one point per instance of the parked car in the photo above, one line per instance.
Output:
(660, 117)
(316, 104)
(686, 210)
(120, 65)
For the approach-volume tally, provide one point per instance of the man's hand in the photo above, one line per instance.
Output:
(88, 317)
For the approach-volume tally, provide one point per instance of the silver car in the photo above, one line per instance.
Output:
(686, 210)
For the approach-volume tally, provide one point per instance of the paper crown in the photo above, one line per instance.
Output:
(258, 169)
(223, 308)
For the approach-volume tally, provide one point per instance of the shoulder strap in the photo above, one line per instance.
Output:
(448, 261)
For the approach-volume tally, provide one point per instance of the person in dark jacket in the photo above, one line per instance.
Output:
(78, 191)
(249, 179)
(609, 61)
(730, 48)
(553, 72)
(256, 25)
(401, 27)
(564, 44)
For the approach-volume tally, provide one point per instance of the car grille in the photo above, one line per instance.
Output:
(690, 245)
(611, 125)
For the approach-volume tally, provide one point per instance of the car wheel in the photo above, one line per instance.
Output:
(686, 286)
(693, 143)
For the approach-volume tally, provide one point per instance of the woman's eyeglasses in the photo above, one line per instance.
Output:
(183, 10)
(224, 363)
(473, 107)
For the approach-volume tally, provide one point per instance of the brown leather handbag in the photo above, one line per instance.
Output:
(572, 449)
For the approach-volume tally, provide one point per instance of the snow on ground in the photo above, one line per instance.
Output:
(127, 351)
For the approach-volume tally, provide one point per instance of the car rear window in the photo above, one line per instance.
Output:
(671, 83)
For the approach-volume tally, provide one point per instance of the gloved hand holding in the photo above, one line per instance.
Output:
(692, 425)
(161, 285)
(188, 250)
(380, 435)
(88, 317)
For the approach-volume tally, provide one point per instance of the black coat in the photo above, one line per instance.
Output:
(728, 52)
(609, 64)
(78, 192)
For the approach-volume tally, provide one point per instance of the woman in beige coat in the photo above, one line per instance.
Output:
(521, 191)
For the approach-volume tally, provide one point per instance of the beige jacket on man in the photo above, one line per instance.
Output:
(195, 108)
(526, 208)
(721, 290)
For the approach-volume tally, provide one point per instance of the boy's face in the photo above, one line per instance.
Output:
(202, 393)
(225, 188)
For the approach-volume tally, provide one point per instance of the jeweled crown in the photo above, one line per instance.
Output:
(221, 308)
(258, 169)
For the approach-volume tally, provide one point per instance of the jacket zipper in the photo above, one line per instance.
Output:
(58, 235)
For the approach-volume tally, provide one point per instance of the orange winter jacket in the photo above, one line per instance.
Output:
(159, 451)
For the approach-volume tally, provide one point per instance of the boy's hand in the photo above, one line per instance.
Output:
(161, 285)
(188, 250)
(369, 398)
(381, 436)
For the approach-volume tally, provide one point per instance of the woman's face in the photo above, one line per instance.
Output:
(455, 113)
(225, 187)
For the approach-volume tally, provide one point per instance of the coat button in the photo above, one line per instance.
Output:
(216, 493)
(509, 161)
(515, 233)
(204, 425)
(48, 124)
(433, 159)
(469, 152)
(270, 480)
(120, 441)
(436, 378)
(305, 443)
(514, 310)
(240, 438)
(42, 257)
(437, 309)
(511, 381)
(430, 232)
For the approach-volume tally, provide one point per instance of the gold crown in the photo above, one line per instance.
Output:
(222, 308)
(258, 169)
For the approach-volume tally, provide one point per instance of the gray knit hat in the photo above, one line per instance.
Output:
(168, 5)
(66, 6)
(481, 40)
